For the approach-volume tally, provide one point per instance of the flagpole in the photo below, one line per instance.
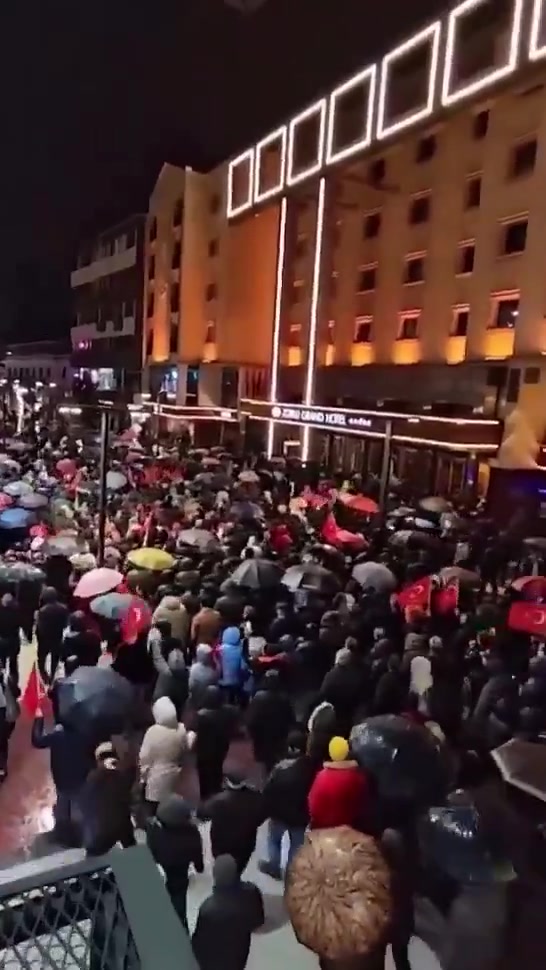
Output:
(104, 436)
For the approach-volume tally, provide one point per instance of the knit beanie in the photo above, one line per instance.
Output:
(338, 749)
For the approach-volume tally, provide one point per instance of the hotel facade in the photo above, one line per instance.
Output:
(374, 268)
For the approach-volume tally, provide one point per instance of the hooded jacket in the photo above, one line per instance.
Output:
(172, 677)
(233, 668)
(202, 674)
(227, 920)
(162, 750)
(175, 843)
(171, 610)
(235, 815)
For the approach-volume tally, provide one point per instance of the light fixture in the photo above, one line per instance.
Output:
(277, 319)
(280, 135)
(314, 313)
(429, 35)
(537, 50)
(368, 79)
(450, 96)
(318, 109)
(246, 159)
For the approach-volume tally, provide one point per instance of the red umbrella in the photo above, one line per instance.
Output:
(532, 587)
(66, 466)
(5, 501)
(360, 503)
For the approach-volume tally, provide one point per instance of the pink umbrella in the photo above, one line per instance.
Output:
(97, 582)
(5, 501)
(66, 466)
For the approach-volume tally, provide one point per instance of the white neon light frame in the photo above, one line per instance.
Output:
(318, 108)
(496, 74)
(368, 77)
(280, 135)
(430, 34)
(537, 50)
(246, 157)
(314, 313)
(277, 320)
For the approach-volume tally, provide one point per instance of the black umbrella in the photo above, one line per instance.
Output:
(20, 572)
(455, 840)
(245, 510)
(257, 574)
(96, 702)
(406, 760)
(309, 575)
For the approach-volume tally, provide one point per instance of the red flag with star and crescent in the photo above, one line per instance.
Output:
(137, 620)
(446, 599)
(416, 595)
(528, 618)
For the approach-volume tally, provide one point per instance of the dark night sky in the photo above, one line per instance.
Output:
(96, 95)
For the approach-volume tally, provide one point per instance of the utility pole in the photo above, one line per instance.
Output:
(104, 443)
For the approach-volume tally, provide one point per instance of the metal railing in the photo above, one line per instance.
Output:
(108, 913)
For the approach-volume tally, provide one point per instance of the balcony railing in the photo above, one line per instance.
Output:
(108, 913)
(104, 267)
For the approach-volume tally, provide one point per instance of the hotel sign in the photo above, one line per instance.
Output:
(335, 419)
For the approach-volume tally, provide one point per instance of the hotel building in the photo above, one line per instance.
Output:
(375, 267)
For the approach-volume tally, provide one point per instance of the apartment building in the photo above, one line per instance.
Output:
(107, 286)
(379, 267)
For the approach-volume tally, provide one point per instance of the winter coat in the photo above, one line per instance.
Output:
(235, 817)
(233, 667)
(170, 610)
(85, 645)
(175, 843)
(206, 626)
(172, 678)
(72, 758)
(106, 806)
(214, 730)
(269, 719)
(339, 795)
(163, 748)
(287, 790)
(203, 674)
(225, 925)
(346, 687)
(51, 620)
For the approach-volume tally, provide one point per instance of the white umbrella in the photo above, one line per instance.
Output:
(423, 524)
(249, 477)
(115, 481)
(374, 574)
(435, 503)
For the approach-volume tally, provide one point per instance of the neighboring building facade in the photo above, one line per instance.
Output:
(39, 363)
(108, 286)
(382, 250)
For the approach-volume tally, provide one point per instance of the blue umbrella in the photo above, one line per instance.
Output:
(15, 519)
(112, 606)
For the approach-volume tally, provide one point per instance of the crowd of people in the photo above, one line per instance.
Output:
(248, 601)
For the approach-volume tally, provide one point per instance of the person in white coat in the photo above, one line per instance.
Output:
(162, 752)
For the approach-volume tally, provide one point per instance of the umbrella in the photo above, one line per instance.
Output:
(83, 561)
(309, 575)
(533, 587)
(249, 477)
(112, 606)
(401, 512)
(97, 582)
(424, 523)
(257, 574)
(210, 462)
(66, 466)
(9, 464)
(34, 500)
(15, 519)
(245, 510)
(5, 501)
(522, 764)
(19, 572)
(435, 504)
(14, 444)
(374, 574)
(454, 839)
(359, 503)
(149, 558)
(450, 520)
(18, 489)
(406, 760)
(95, 701)
(539, 542)
(115, 481)
(64, 545)
(466, 576)
(198, 538)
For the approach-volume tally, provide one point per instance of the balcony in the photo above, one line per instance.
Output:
(106, 266)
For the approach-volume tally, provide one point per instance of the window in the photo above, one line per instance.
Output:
(214, 205)
(506, 313)
(419, 210)
(173, 339)
(211, 292)
(153, 229)
(175, 297)
(465, 258)
(532, 375)
(372, 225)
(480, 125)
(151, 268)
(150, 306)
(514, 237)
(333, 284)
(363, 330)
(294, 335)
(512, 387)
(213, 248)
(210, 337)
(301, 247)
(331, 333)
(473, 195)
(178, 213)
(426, 149)
(118, 322)
(415, 269)
(409, 326)
(177, 255)
(459, 326)
(523, 158)
(367, 279)
(377, 171)
(149, 343)
(297, 291)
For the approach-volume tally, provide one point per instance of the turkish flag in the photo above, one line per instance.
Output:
(446, 599)
(528, 618)
(418, 594)
(335, 536)
(35, 694)
(137, 619)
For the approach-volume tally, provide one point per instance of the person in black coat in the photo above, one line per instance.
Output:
(285, 796)
(392, 689)
(175, 843)
(105, 802)
(403, 869)
(10, 636)
(235, 814)
(51, 620)
(269, 718)
(80, 642)
(346, 686)
(214, 726)
(227, 919)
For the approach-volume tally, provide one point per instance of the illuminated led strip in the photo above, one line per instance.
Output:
(318, 108)
(366, 77)
(430, 34)
(242, 159)
(280, 135)
(496, 74)
(537, 50)
(314, 313)
(277, 319)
